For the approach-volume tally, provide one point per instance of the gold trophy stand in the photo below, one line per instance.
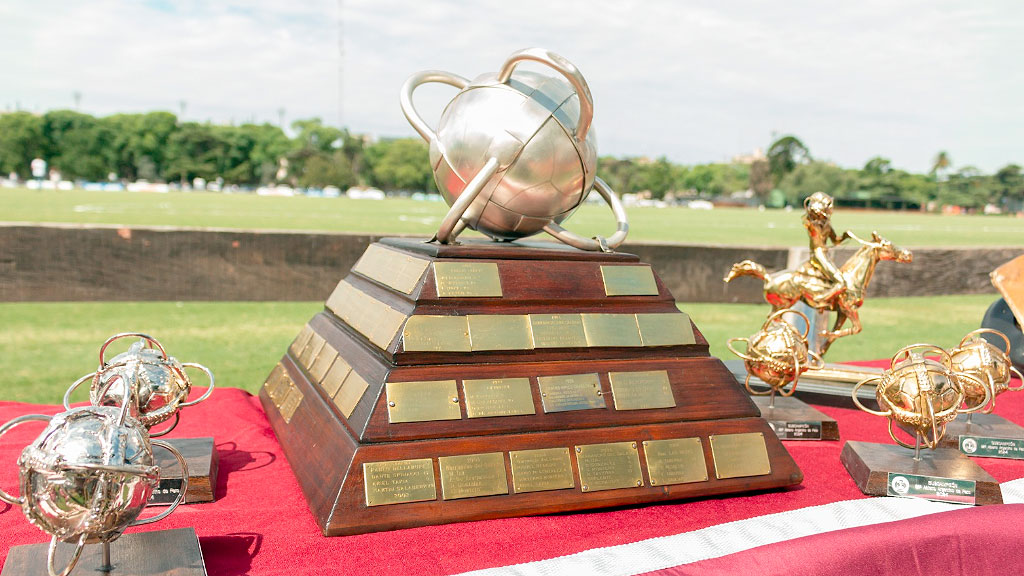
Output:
(449, 383)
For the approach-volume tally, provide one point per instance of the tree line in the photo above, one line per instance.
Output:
(157, 146)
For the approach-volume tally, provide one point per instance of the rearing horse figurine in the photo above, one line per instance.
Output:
(787, 287)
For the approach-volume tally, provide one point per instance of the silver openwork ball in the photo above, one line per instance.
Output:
(157, 381)
(87, 475)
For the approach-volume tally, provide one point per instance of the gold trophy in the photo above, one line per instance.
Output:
(920, 393)
(985, 434)
(778, 355)
(825, 288)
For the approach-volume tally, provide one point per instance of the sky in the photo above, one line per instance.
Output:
(694, 81)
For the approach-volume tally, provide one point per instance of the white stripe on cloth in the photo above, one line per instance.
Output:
(715, 541)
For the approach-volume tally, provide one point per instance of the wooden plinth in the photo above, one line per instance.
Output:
(435, 372)
(870, 465)
(201, 456)
(993, 437)
(793, 419)
(158, 553)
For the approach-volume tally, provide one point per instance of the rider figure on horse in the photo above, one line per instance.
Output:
(817, 220)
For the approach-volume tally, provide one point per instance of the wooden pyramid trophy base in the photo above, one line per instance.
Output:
(942, 474)
(986, 435)
(448, 383)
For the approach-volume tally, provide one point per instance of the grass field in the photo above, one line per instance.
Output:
(720, 226)
(44, 347)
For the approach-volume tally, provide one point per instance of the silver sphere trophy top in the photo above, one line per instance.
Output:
(514, 153)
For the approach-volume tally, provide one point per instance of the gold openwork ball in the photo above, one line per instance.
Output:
(921, 393)
(988, 365)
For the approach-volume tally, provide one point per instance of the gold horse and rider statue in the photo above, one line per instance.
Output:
(818, 281)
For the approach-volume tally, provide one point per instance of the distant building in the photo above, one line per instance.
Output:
(757, 154)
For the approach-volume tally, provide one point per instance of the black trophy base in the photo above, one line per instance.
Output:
(942, 475)
(158, 553)
(201, 456)
(985, 436)
(793, 419)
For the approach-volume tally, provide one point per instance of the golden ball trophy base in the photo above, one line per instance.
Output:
(794, 419)
(941, 475)
(985, 436)
(452, 383)
(156, 553)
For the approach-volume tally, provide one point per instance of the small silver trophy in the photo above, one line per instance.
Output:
(88, 477)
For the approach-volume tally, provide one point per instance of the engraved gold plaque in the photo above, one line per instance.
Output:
(311, 350)
(375, 320)
(675, 461)
(422, 401)
(738, 455)
(467, 280)
(399, 481)
(301, 340)
(273, 381)
(436, 334)
(335, 376)
(498, 397)
(611, 330)
(570, 392)
(609, 466)
(391, 268)
(666, 329)
(322, 363)
(558, 331)
(350, 393)
(641, 390)
(629, 281)
(540, 470)
(473, 475)
(290, 404)
(500, 332)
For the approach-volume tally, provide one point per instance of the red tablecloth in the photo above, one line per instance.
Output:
(260, 524)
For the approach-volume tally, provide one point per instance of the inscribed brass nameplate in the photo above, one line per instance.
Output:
(629, 281)
(570, 392)
(738, 455)
(558, 331)
(473, 475)
(291, 403)
(391, 268)
(666, 329)
(374, 319)
(498, 397)
(675, 461)
(335, 376)
(436, 334)
(350, 393)
(611, 330)
(322, 363)
(301, 340)
(609, 466)
(641, 390)
(311, 350)
(274, 382)
(540, 470)
(467, 280)
(422, 401)
(399, 481)
(500, 332)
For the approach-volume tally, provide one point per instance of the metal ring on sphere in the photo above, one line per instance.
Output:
(19, 501)
(981, 331)
(905, 351)
(728, 344)
(592, 244)
(447, 231)
(184, 485)
(209, 390)
(863, 407)
(565, 68)
(989, 394)
(414, 82)
(781, 313)
(77, 383)
(1019, 377)
(51, 560)
(152, 341)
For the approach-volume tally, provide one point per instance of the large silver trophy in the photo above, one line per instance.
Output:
(514, 153)
(88, 477)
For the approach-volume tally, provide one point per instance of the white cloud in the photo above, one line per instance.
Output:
(696, 81)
